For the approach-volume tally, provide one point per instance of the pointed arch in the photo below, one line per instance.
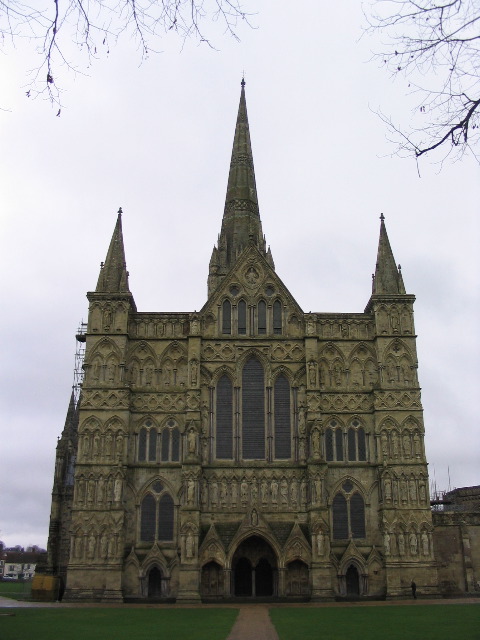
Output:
(224, 418)
(242, 317)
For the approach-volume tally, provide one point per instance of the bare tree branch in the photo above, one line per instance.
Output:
(93, 24)
(435, 47)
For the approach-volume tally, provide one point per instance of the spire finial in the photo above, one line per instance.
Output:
(120, 210)
(243, 79)
(382, 217)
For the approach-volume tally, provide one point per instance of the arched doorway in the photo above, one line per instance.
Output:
(264, 578)
(254, 566)
(243, 577)
(352, 580)
(212, 580)
(155, 583)
(297, 579)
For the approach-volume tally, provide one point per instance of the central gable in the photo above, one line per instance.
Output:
(251, 300)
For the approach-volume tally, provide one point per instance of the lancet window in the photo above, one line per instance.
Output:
(348, 513)
(250, 427)
(157, 515)
(156, 446)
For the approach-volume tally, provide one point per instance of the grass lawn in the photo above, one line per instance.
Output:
(117, 624)
(416, 622)
(16, 590)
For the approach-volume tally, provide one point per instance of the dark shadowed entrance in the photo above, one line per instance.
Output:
(155, 583)
(254, 567)
(353, 581)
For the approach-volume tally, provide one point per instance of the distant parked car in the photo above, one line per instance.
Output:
(8, 579)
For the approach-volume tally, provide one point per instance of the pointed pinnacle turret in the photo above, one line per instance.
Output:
(113, 276)
(241, 225)
(388, 277)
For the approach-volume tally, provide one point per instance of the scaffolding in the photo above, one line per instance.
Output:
(78, 372)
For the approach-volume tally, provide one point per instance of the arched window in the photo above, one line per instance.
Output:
(253, 410)
(147, 518)
(281, 408)
(224, 418)
(357, 516)
(357, 449)
(277, 317)
(226, 317)
(165, 445)
(175, 437)
(165, 517)
(147, 443)
(348, 513)
(242, 317)
(334, 442)
(340, 517)
(262, 317)
(152, 445)
(142, 445)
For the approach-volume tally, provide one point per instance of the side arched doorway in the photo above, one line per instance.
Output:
(352, 580)
(254, 567)
(154, 588)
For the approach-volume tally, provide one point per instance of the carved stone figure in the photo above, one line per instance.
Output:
(386, 543)
(244, 491)
(284, 491)
(413, 543)
(407, 445)
(384, 439)
(190, 545)
(117, 489)
(191, 491)
(388, 489)
(274, 491)
(425, 545)
(417, 446)
(401, 544)
(312, 372)
(316, 443)
(192, 441)
(264, 491)
(320, 544)
(194, 372)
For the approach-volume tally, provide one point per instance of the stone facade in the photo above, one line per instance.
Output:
(249, 449)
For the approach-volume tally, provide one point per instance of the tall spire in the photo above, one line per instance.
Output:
(241, 223)
(113, 276)
(388, 277)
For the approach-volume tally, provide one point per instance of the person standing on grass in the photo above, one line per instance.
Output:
(414, 590)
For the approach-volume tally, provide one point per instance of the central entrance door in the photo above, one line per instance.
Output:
(254, 567)
(353, 581)
(155, 583)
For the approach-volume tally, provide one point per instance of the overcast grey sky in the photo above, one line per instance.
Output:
(156, 139)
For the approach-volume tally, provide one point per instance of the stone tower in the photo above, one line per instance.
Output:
(249, 449)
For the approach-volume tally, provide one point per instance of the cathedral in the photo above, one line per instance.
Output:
(248, 450)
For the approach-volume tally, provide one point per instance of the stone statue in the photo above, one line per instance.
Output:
(190, 491)
(244, 491)
(274, 490)
(192, 441)
(425, 545)
(194, 372)
(407, 445)
(316, 443)
(384, 439)
(312, 372)
(386, 543)
(189, 546)
(413, 544)
(401, 544)
(117, 489)
(388, 489)
(320, 543)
